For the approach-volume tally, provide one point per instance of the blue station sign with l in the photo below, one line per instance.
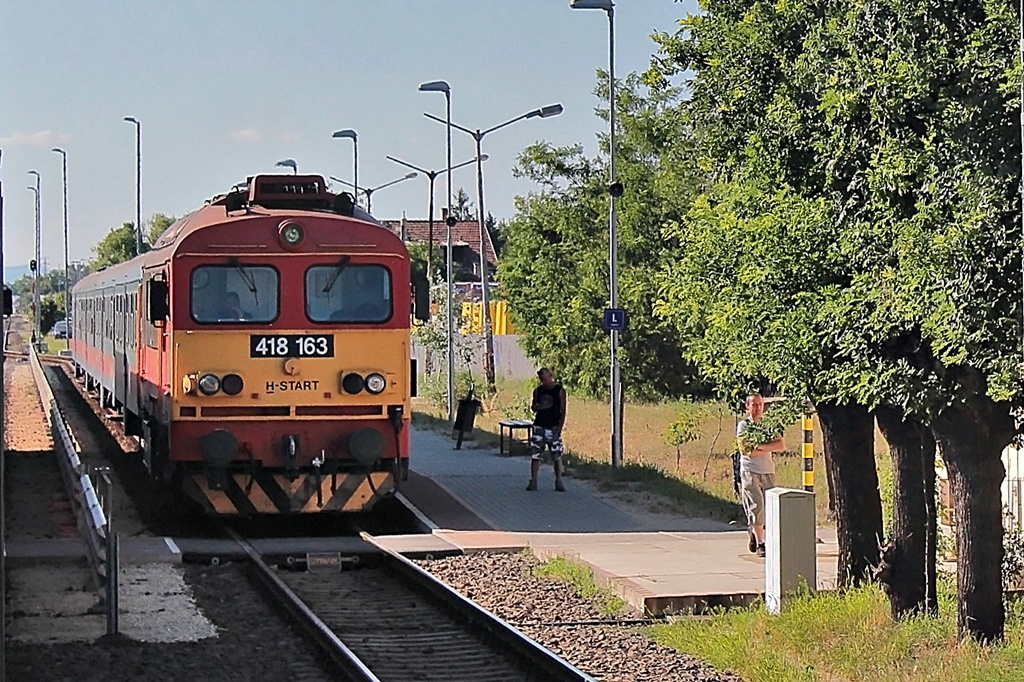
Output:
(614, 319)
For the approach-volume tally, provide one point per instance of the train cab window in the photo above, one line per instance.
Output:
(230, 294)
(348, 293)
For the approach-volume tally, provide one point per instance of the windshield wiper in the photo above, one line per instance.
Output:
(342, 264)
(248, 278)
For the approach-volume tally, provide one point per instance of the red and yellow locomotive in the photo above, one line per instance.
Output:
(261, 350)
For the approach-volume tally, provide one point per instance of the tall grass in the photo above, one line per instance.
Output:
(847, 636)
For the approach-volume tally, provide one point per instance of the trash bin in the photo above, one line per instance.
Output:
(465, 414)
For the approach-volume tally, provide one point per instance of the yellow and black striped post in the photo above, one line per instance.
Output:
(808, 452)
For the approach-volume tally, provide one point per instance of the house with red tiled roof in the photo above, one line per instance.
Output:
(465, 244)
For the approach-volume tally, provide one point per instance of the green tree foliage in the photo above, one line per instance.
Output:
(50, 314)
(890, 126)
(117, 247)
(554, 269)
(462, 205)
(157, 225)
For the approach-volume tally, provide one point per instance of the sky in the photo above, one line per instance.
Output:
(225, 89)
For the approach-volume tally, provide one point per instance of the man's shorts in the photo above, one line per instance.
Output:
(541, 436)
(754, 487)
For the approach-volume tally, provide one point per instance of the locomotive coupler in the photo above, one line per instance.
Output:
(216, 477)
(290, 444)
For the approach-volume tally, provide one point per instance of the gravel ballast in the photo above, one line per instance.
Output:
(505, 585)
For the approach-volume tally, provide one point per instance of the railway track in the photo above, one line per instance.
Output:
(388, 619)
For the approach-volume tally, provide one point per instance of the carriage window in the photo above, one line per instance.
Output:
(234, 293)
(348, 293)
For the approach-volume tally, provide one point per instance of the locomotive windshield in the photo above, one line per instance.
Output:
(349, 293)
(234, 293)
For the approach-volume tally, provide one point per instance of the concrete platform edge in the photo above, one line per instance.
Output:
(641, 598)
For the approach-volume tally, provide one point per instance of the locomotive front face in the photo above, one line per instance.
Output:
(291, 386)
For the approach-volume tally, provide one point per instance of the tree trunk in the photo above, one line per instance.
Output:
(830, 475)
(931, 536)
(848, 433)
(904, 574)
(972, 436)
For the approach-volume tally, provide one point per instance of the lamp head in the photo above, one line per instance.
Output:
(550, 110)
(35, 173)
(131, 119)
(58, 150)
(348, 132)
(288, 163)
(483, 157)
(410, 176)
(436, 86)
(606, 5)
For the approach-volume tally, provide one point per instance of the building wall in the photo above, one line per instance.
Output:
(510, 360)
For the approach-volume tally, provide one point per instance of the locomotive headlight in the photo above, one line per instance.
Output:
(231, 384)
(376, 383)
(291, 234)
(209, 384)
(352, 383)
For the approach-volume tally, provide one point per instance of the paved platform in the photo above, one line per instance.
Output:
(658, 563)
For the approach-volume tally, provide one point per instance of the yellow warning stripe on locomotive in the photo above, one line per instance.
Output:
(267, 493)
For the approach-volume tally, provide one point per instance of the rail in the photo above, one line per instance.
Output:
(497, 630)
(324, 637)
(534, 659)
(91, 502)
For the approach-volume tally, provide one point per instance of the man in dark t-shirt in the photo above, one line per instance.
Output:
(549, 403)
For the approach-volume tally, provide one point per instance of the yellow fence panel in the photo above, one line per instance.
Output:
(473, 318)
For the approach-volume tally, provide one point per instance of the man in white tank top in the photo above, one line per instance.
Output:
(757, 472)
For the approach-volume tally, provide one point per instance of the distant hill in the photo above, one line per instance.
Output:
(13, 273)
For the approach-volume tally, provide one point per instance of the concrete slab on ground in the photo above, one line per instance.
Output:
(673, 572)
(133, 550)
(50, 605)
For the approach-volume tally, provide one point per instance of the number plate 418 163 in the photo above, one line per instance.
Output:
(291, 346)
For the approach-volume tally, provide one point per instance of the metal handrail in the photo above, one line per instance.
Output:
(91, 507)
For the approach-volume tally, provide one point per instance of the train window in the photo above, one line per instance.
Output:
(234, 293)
(348, 293)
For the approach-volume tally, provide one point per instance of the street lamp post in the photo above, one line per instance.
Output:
(614, 192)
(432, 175)
(442, 86)
(3, 466)
(368, 191)
(138, 182)
(67, 277)
(351, 134)
(37, 313)
(485, 294)
(289, 163)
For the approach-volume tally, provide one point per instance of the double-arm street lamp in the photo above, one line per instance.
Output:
(432, 175)
(442, 86)
(368, 191)
(614, 192)
(478, 136)
(351, 135)
(289, 163)
(37, 312)
(138, 182)
(67, 277)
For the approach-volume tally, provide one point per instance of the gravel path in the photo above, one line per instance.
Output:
(505, 585)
